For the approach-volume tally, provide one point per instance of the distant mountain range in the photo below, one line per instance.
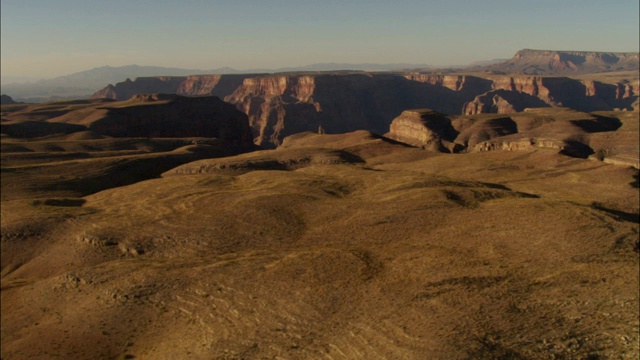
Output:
(83, 84)
(533, 62)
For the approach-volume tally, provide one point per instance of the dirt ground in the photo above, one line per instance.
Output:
(354, 248)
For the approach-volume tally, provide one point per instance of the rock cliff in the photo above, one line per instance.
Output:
(514, 93)
(502, 102)
(215, 85)
(551, 62)
(284, 104)
(424, 128)
(610, 136)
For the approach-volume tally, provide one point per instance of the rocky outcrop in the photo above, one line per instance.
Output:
(551, 62)
(473, 130)
(502, 102)
(215, 85)
(610, 137)
(424, 128)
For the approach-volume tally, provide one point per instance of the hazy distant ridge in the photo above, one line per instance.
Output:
(526, 61)
(552, 62)
(83, 84)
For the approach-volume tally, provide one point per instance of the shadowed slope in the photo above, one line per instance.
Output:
(75, 148)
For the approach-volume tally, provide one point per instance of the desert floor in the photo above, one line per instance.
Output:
(354, 248)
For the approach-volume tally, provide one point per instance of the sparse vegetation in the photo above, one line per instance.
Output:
(341, 246)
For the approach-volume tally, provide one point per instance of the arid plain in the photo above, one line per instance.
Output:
(141, 244)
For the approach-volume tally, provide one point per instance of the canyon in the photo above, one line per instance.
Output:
(340, 215)
(285, 104)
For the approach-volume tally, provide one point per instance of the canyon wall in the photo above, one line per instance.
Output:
(515, 93)
(192, 85)
(283, 104)
(552, 62)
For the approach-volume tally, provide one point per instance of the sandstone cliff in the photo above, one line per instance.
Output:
(550, 62)
(502, 102)
(285, 104)
(216, 85)
(515, 93)
(463, 83)
(424, 128)
(610, 136)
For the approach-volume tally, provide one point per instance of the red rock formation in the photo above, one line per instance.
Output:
(216, 85)
(281, 105)
(453, 82)
(267, 100)
(502, 102)
(569, 132)
(197, 85)
(424, 128)
(477, 129)
(550, 62)
(463, 84)
(531, 85)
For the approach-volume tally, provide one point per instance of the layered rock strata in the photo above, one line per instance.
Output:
(284, 104)
(424, 128)
(551, 62)
(599, 136)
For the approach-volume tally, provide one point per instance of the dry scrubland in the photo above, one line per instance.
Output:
(331, 246)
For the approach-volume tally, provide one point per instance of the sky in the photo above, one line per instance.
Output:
(45, 38)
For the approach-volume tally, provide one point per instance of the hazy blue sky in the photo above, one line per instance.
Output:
(45, 38)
